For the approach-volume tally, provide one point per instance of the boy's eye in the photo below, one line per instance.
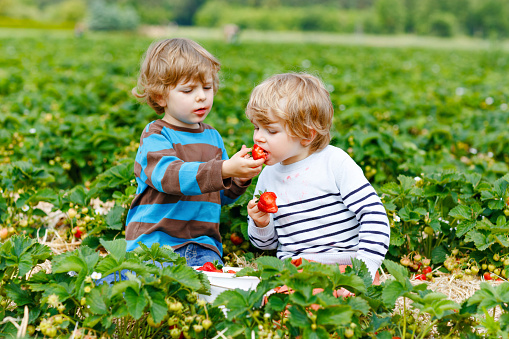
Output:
(272, 132)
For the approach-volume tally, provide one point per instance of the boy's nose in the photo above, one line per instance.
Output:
(257, 137)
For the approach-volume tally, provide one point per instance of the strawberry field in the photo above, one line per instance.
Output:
(429, 127)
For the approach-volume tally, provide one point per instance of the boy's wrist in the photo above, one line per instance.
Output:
(261, 226)
(225, 169)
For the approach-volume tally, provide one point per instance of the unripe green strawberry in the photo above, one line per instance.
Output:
(206, 324)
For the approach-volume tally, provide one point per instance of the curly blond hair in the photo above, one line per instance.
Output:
(169, 62)
(300, 101)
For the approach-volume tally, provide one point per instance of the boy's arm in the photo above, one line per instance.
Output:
(160, 166)
(361, 198)
(232, 194)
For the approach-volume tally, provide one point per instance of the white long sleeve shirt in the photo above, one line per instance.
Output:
(327, 212)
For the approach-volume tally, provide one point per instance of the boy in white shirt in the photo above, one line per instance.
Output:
(327, 210)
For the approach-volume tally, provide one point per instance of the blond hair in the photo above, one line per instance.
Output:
(170, 62)
(300, 101)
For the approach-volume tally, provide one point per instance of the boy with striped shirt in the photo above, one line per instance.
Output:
(182, 170)
(327, 210)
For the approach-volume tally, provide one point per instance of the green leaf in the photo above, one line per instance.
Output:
(464, 227)
(319, 333)
(18, 295)
(439, 254)
(184, 275)
(473, 178)
(397, 238)
(298, 317)
(114, 218)
(95, 299)
(359, 305)
(436, 304)
(399, 272)
(78, 196)
(462, 212)
(107, 264)
(63, 263)
(235, 301)
(406, 182)
(392, 291)
(116, 248)
(136, 303)
(479, 239)
(268, 263)
(277, 302)
(92, 320)
(334, 315)
(158, 307)
(500, 187)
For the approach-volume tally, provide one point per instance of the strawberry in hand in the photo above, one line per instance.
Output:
(267, 202)
(258, 152)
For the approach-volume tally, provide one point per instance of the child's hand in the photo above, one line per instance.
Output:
(261, 219)
(242, 166)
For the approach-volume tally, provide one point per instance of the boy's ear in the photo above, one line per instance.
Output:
(160, 100)
(306, 142)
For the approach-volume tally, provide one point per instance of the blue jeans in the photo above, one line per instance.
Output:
(195, 255)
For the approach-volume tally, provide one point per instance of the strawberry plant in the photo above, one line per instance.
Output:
(23, 187)
(441, 212)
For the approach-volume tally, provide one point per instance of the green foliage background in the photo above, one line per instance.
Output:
(481, 18)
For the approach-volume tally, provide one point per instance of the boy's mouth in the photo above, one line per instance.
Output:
(201, 111)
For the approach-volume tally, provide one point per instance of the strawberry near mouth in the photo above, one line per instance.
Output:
(259, 153)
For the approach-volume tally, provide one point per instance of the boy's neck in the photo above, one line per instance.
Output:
(172, 121)
(302, 156)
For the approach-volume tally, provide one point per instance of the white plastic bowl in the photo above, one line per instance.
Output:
(220, 282)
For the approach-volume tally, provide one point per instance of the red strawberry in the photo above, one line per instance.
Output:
(258, 152)
(236, 239)
(420, 277)
(78, 233)
(487, 276)
(231, 271)
(427, 269)
(267, 202)
(209, 267)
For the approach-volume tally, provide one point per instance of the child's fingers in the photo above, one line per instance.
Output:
(256, 163)
(252, 204)
(243, 151)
